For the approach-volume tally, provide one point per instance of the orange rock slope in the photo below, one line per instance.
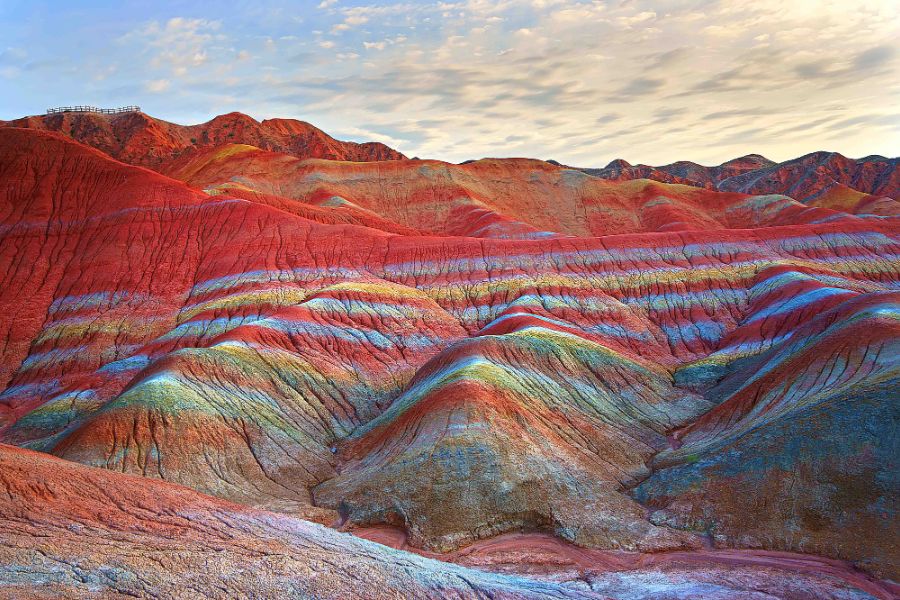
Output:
(451, 352)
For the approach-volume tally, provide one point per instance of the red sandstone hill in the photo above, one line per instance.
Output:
(807, 177)
(445, 354)
(489, 198)
(813, 179)
(139, 139)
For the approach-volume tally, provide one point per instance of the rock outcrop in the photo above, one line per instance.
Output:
(75, 532)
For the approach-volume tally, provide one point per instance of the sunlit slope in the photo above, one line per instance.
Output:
(491, 198)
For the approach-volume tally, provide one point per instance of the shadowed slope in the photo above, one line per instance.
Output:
(806, 435)
(68, 530)
(534, 428)
(807, 177)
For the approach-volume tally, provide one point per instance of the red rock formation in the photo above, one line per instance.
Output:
(806, 179)
(72, 531)
(461, 351)
(510, 198)
(139, 139)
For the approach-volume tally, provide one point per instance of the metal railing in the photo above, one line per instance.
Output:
(93, 109)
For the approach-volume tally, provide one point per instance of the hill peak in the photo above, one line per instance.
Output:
(140, 139)
(618, 163)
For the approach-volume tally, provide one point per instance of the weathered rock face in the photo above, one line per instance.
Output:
(802, 446)
(806, 177)
(72, 531)
(869, 185)
(547, 448)
(460, 351)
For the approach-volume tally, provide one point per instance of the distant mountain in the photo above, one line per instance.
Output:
(684, 172)
(808, 177)
(817, 178)
(139, 139)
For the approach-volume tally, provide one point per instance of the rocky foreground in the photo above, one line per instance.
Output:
(554, 383)
(73, 531)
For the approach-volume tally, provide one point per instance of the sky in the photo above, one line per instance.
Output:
(581, 82)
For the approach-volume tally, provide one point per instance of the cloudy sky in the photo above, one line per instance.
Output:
(581, 82)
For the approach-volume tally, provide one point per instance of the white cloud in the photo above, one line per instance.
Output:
(179, 45)
(580, 81)
(158, 85)
(503, 80)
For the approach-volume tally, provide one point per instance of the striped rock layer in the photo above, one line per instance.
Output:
(70, 531)
(460, 351)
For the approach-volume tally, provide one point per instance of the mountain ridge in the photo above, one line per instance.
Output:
(140, 139)
(805, 178)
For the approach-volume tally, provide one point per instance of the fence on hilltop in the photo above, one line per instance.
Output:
(93, 109)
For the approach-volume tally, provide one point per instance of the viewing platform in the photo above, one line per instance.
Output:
(93, 109)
